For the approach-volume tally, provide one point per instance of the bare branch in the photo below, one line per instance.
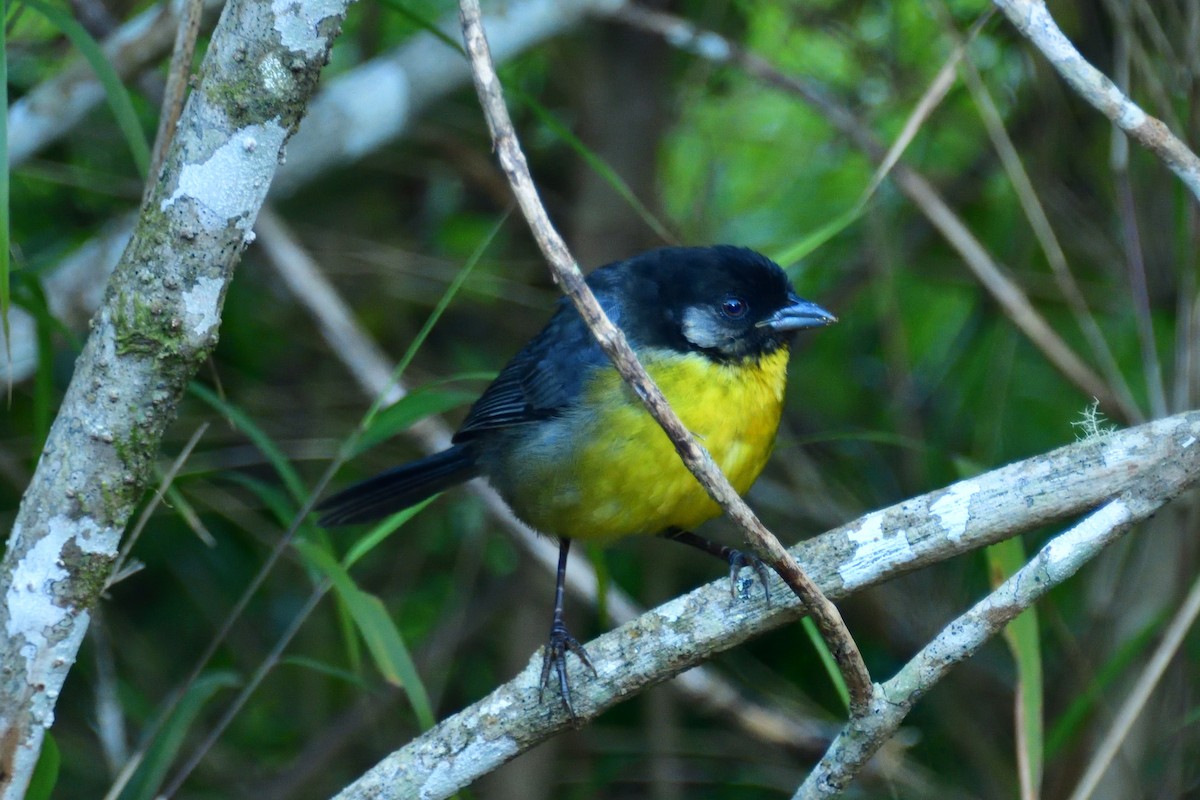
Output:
(962, 638)
(1138, 467)
(1033, 20)
(176, 88)
(616, 347)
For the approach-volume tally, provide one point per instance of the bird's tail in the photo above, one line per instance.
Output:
(399, 488)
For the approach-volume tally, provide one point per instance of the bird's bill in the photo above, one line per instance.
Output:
(797, 315)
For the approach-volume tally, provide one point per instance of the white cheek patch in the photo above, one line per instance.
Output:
(703, 329)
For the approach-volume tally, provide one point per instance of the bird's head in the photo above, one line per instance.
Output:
(729, 303)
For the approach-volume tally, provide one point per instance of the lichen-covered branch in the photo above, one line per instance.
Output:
(1147, 464)
(157, 323)
(1060, 559)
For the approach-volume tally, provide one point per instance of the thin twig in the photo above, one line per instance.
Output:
(613, 342)
(176, 88)
(1033, 20)
(1057, 561)
(1043, 231)
(167, 479)
(706, 44)
(1181, 623)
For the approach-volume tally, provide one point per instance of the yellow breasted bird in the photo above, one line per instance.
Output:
(574, 453)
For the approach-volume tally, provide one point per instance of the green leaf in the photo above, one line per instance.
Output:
(264, 443)
(118, 96)
(278, 503)
(325, 669)
(161, 753)
(45, 772)
(381, 531)
(797, 251)
(412, 407)
(827, 660)
(383, 639)
(1021, 635)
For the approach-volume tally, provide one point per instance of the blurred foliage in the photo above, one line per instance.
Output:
(923, 374)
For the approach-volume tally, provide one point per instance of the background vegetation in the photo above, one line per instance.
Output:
(925, 379)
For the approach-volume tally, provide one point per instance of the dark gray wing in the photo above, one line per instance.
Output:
(544, 378)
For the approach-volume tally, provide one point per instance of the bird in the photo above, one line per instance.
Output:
(572, 451)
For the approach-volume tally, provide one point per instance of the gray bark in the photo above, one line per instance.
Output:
(157, 323)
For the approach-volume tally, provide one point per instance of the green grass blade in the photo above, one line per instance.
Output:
(281, 507)
(27, 293)
(407, 410)
(161, 754)
(827, 660)
(118, 96)
(264, 443)
(1004, 558)
(435, 315)
(5, 244)
(304, 662)
(594, 162)
(795, 252)
(382, 531)
(383, 639)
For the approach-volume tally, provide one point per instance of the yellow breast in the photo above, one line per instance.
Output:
(625, 477)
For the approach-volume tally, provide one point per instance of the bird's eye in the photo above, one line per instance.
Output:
(734, 307)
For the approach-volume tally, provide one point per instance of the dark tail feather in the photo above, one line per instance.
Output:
(398, 488)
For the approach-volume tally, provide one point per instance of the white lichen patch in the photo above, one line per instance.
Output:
(1097, 524)
(202, 306)
(297, 23)
(30, 600)
(234, 179)
(954, 508)
(874, 548)
(275, 77)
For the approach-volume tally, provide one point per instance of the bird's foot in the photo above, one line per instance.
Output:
(561, 642)
(739, 560)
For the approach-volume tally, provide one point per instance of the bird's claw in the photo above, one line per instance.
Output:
(739, 560)
(561, 642)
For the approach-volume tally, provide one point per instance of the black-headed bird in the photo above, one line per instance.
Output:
(574, 453)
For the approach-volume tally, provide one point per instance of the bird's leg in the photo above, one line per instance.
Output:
(737, 559)
(561, 642)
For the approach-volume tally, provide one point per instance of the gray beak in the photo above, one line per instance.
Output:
(797, 315)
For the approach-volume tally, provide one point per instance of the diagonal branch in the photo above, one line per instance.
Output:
(613, 342)
(1058, 560)
(1033, 20)
(1140, 466)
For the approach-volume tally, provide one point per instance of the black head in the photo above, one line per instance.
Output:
(729, 303)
